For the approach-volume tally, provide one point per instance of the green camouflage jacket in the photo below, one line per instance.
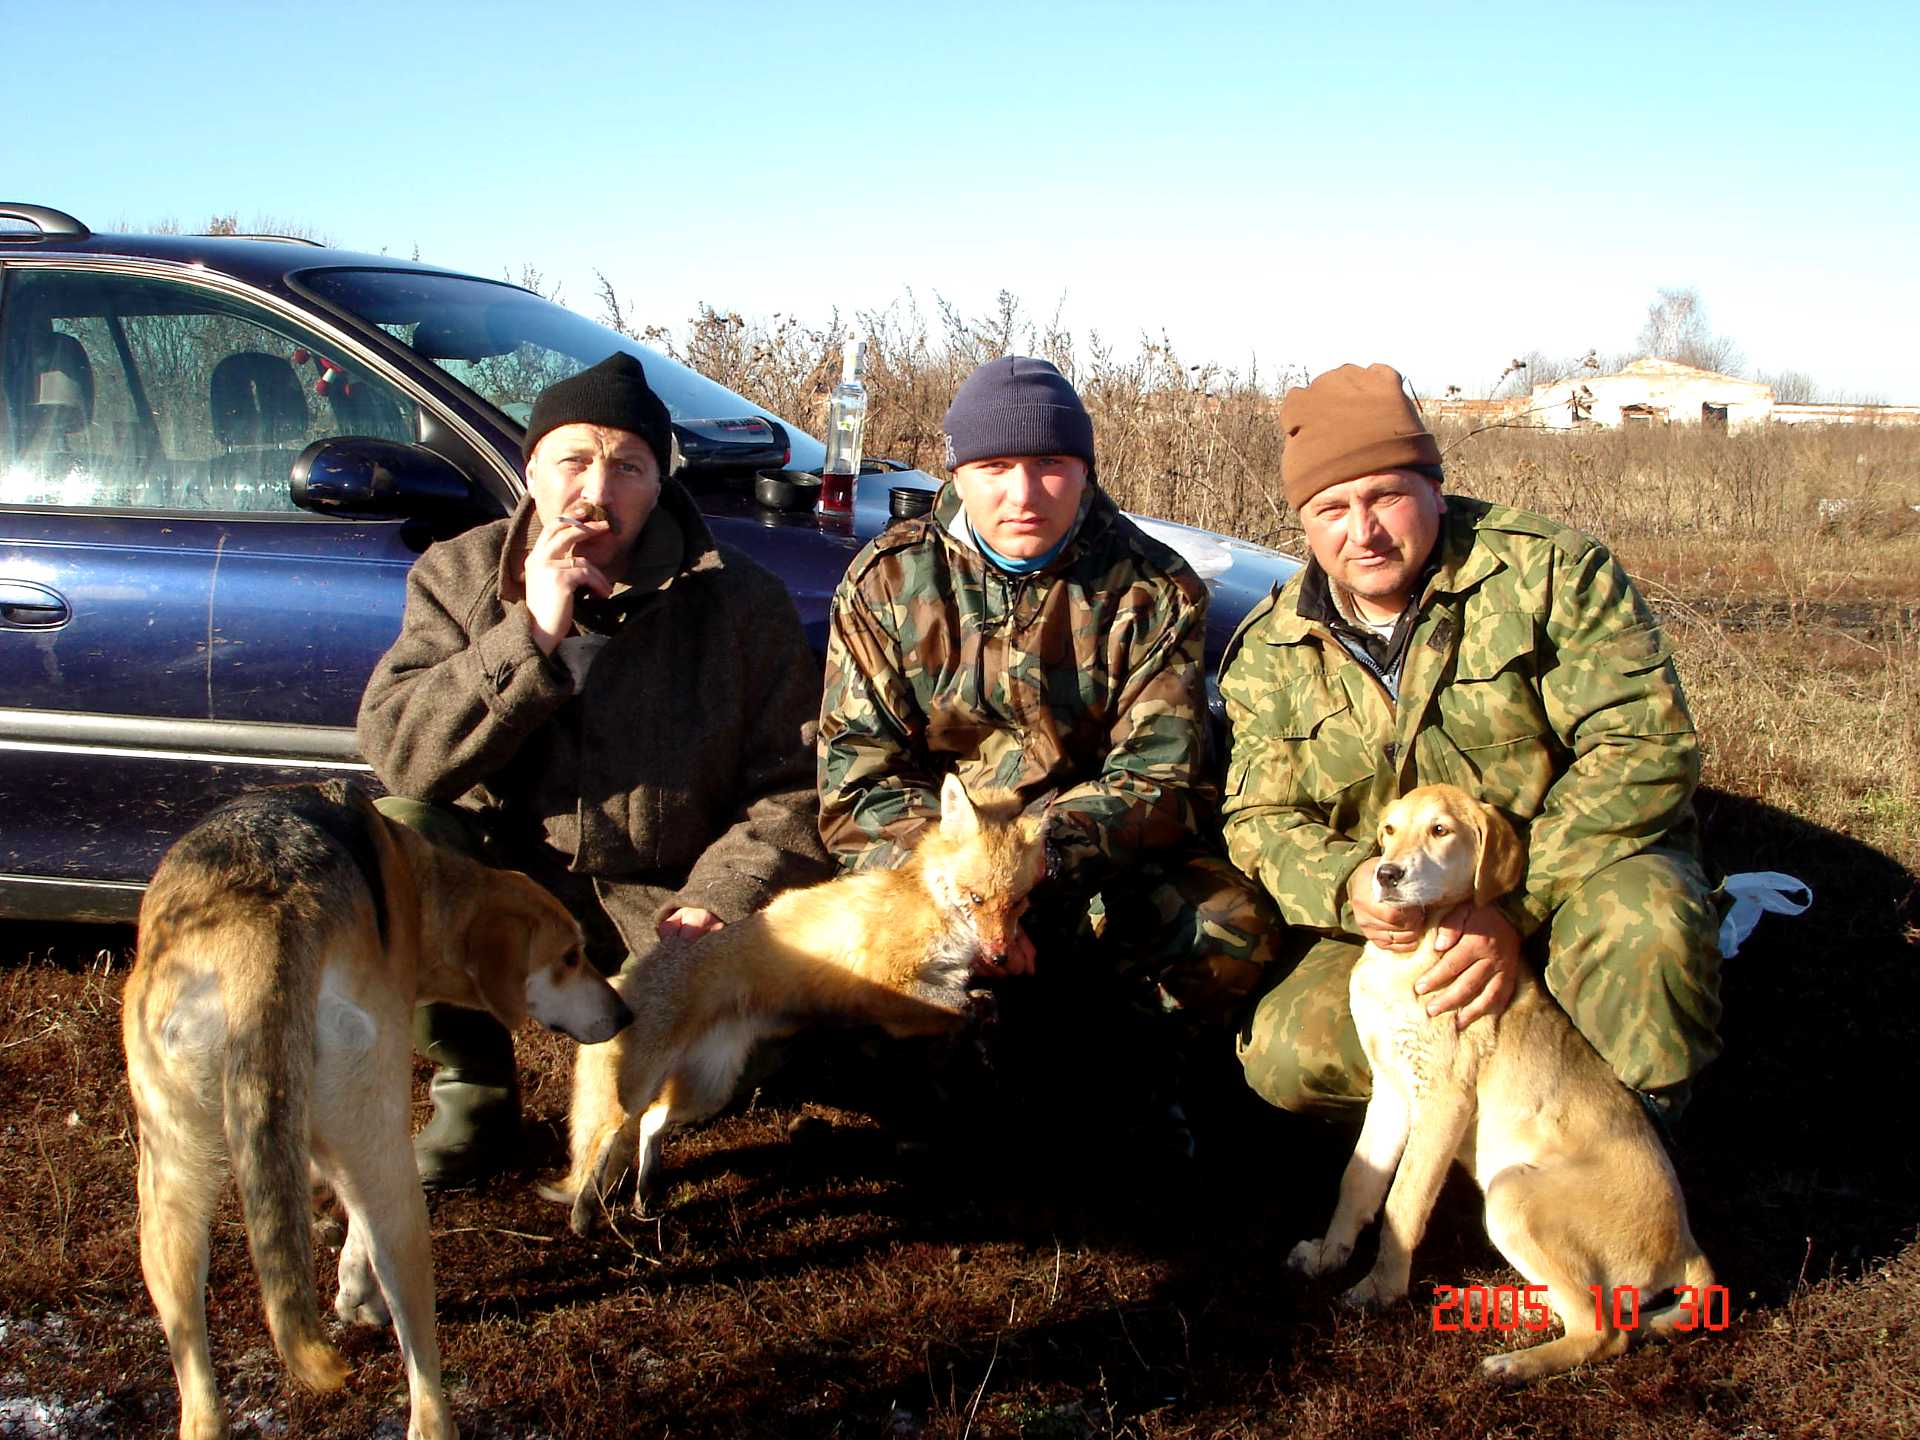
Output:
(1081, 686)
(1536, 679)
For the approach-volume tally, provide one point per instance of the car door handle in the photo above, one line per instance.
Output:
(27, 606)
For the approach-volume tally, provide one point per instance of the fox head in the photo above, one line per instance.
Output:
(982, 861)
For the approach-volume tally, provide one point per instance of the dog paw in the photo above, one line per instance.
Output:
(1317, 1257)
(580, 1220)
(358, 1300)
(1372, 1293)
(1503, 1369)
(368, 1309)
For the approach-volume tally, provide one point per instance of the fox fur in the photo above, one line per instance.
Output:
(892, 948)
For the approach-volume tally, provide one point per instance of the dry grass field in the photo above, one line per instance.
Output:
(1036, 1276)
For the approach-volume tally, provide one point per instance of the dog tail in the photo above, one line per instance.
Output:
(268, 1087)
(1699, 1273)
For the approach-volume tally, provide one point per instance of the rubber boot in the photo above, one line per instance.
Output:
(1664, 1107)
(475, 1130)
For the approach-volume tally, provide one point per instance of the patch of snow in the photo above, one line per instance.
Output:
(35, 1417)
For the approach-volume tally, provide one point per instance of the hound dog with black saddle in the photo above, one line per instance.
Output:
(283, 945)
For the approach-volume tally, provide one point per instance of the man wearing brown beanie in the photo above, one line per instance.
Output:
(596, 692)
(1442, 639)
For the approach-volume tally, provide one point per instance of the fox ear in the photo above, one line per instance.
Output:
(499, 949)
(1033, 829)
(1501, 862)
(957, 818)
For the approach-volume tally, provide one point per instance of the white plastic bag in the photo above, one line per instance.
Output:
(1754, 892)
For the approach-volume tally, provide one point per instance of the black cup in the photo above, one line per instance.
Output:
(906, 501)
(786, 489)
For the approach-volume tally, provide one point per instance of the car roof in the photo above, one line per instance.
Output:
(264, 261)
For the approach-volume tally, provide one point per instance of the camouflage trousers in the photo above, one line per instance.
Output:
(1194, 935)
(1132, 990)
(1633, 958)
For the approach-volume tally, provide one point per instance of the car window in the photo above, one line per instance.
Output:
(506, 344)
(124, 392)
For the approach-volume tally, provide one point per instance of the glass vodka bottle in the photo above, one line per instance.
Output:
(846, 428)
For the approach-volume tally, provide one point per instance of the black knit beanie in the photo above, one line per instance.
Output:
(1016, 406)
(613, 393)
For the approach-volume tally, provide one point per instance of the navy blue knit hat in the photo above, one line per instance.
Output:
(1016, 406)
(613, 393)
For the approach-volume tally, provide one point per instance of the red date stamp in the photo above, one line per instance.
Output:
(1510, 1307)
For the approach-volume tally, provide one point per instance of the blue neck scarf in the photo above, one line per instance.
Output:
(1020, 567)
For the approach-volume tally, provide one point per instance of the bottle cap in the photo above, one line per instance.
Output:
(853, 356)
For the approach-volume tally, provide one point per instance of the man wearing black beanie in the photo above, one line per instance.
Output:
(535, 709)
(1027, 635)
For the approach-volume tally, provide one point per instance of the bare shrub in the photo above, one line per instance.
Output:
(1195, 443)
(1683, 479)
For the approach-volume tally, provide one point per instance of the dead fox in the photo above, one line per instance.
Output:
(892, 948)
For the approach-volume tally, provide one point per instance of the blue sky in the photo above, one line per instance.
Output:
(1439, 187)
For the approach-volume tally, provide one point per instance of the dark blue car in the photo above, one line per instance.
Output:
(218, 458)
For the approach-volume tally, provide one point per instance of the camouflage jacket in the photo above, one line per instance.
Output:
(1535, 678)
(1081, 686)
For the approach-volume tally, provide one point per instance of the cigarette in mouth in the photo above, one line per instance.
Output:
(583, 513)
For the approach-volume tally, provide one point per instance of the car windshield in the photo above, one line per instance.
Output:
(507, 344)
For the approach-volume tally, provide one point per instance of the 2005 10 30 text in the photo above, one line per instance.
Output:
(1510, 1307)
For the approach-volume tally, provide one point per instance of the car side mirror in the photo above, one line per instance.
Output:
(358, 475)
(737, 447)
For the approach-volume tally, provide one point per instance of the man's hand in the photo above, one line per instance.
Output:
(556, 572)
(688, 922)
(1391, 927)
(1019, 959)
(1478, 966)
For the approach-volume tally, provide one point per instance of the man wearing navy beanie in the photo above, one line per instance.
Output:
(1026, 635)
(1017, 406)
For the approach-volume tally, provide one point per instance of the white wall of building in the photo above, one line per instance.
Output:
(1655, 391)
(1812, 413)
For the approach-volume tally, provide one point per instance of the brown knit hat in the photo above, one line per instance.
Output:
(1348, 423)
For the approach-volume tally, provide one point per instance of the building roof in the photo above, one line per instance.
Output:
(1650, 370)
(1649, 365)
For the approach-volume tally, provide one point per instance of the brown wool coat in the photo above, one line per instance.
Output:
(682, 774)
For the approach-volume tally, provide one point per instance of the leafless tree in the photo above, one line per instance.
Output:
(1792, 387)
(1677, 329)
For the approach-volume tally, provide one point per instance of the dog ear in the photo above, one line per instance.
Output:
(957, 818)
(1500, 863)
(499, 948)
